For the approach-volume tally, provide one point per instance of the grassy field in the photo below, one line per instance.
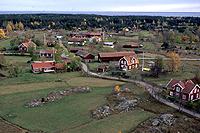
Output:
(71, 114)
(5, 43)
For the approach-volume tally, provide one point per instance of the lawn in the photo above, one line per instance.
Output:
(5, 43)
(17, 59)
(71, 114)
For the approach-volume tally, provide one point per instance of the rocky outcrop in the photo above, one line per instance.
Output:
(55, 96)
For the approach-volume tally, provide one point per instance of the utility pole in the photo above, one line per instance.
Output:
(45, 41)
(143, 61)
(53, 54)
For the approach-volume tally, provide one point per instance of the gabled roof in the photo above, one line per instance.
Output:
(130, 59)
(76, 39)
(45, 64)
(82, 54)
(27, 44)
(47, 51)
(172, 82)
(187, 85)
(93, 33)
(117, 54)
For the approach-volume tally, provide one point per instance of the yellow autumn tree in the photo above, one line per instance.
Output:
(12, 25)
(2, 34)
(117, 89)
(174, 61)
(9, 28)
(16, 26)
(21, 26)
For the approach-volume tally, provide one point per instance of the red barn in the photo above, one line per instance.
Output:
(185, 90)
(85, 56)
(114, 56)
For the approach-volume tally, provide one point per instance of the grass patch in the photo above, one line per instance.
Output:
(5, 43)
(72, 113)
(69, 113)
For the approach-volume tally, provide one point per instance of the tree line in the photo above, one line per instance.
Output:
(117, 23)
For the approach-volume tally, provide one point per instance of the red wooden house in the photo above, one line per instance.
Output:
(128, 63)
(114, 56)
(25, 46)
(46, 66)
(184, 90)
(85, 56)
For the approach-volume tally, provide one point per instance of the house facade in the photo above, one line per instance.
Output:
(114, 56)
(43, 67)
(76, 41)
(46, 53)
(85, 56)
(25, 46)
(46, 66)
(184, 90)
(128, 63)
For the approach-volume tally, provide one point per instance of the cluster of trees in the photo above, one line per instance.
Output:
(11, 26)
(188, 36)
(173, 64)
(117, 23)
(12, 70)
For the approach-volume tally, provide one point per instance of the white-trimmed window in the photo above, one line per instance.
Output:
(178, 89)
(197, 95)
(195, 90)
(184, 97)
(191, 97)
(171, 93)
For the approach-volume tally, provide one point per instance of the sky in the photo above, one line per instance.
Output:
(102, 5)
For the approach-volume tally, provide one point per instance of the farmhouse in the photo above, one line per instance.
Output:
(109, 44)
(88, 35)
(43, 67)
(114, 56)
(76, 41)
(46, 53)
(85, 56)
(184, 90)
(75, 50)
(25, 46)
(128, 62)
(46, 66)
(133, 45)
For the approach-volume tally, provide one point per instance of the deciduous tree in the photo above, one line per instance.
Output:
(21, 26)
(174, 61)
(2, 34)
(9, 28)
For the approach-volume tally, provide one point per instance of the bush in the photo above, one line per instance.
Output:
(2, 48)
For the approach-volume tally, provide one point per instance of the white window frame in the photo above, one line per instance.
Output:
(178, 89)
(184, 97)
(192, 97)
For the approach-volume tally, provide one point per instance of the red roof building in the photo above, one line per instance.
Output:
(85, 56)
(114, 56)
(184, 90)
(46, 66)
(128, 63)
(25, 46)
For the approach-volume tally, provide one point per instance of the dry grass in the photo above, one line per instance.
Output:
(92, 82)
(10, 89)
(77, 81)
